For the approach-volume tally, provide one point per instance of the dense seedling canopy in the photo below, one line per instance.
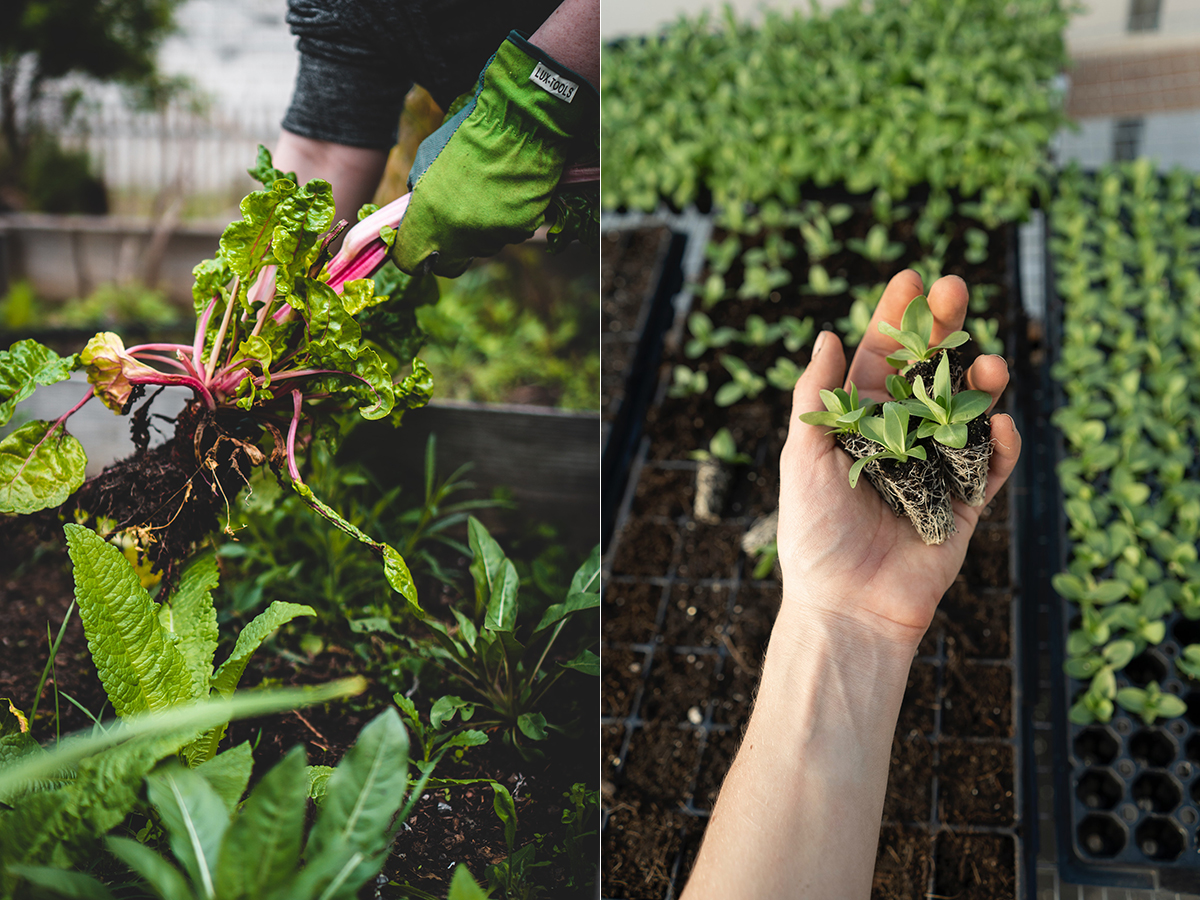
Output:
(956, 94)
(1126, 243)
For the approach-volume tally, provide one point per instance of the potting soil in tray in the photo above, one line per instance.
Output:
(685, 626)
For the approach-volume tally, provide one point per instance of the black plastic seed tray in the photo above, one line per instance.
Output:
(1127, 794)
(681, 652)
(635, 318)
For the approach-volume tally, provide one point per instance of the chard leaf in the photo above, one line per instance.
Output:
(228, 774)
(444, 708)
(359, 294)
(487, 561)
(394, 567)
(39, 469)
(211, 276)
(261, 849)
(416, 388)
(225, 679)
(587, 576)
(502, 605)
(112, 372)
(140, 667)
(25, 366)
(195, 818)
(354, 826)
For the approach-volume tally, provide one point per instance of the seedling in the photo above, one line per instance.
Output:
(876, 247)
(745, 384)
(914, 333)
(985, 333)
(1189, 661)
(784, 374)
(821, 284)
(723, 448)
(844, 411)
(946, 414)
(1096, 704)
(686, 382)
(705, 336)
(1150, 703)
(890, 431)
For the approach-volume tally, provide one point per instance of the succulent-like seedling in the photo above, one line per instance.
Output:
(891, 431)
(1189, 661)
(1150, 703)
(844, 411)
(914, 333)
(946, 414)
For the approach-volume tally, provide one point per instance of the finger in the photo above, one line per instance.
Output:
(1006, 449)
(988, 373)
(948, 300)
(870, 366)
(824, 373)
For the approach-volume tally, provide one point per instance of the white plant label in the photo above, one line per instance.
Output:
(553, 83)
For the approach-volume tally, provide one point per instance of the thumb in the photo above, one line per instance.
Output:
(826, 371)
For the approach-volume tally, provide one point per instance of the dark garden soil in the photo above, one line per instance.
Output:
(449, 825)
(685, 626)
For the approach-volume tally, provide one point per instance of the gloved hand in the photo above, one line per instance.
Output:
(485, 178)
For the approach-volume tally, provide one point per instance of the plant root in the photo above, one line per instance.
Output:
(858, 446)
(966, 471)
(920, 490)
(171, 497)
(713, 478)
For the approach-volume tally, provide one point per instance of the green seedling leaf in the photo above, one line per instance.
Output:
(575, 602)
(464, 887)
(506, 810)
(444, 708)
(532, 725)
(586, 662)
(41, 465)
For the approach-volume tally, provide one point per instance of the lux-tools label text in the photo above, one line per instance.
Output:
(554, 83)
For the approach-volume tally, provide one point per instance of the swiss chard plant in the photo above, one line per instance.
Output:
(279, 350)
(506, 663)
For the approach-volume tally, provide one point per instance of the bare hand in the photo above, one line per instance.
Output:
(843, 551)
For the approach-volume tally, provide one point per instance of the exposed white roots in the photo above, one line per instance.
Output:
(712, 486)
(966, 471)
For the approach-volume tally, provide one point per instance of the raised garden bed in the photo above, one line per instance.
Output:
(685, 624)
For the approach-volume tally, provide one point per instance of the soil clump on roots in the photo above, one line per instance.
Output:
(171, 497)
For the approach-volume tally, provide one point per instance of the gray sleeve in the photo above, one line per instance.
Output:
(349, 89)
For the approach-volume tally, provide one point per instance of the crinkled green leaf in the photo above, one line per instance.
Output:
(189, 614)
(140, 667)
(280, 612)
(39, 469)
(25, 366)
(112, 372)
(359, 294)
(444, 708)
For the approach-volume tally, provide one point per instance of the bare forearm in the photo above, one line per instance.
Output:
(799, 813)
(354, 172)
(572, 36)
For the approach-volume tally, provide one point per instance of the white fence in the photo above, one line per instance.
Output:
(177, 152)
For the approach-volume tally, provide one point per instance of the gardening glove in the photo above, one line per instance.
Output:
(485, 178)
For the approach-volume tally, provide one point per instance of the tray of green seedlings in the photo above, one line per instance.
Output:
(1125, 242)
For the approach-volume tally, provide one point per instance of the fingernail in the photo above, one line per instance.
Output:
(819, 343)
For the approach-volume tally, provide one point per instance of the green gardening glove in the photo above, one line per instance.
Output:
(485, 178)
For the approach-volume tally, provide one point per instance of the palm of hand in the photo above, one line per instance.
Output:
(844, 550)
